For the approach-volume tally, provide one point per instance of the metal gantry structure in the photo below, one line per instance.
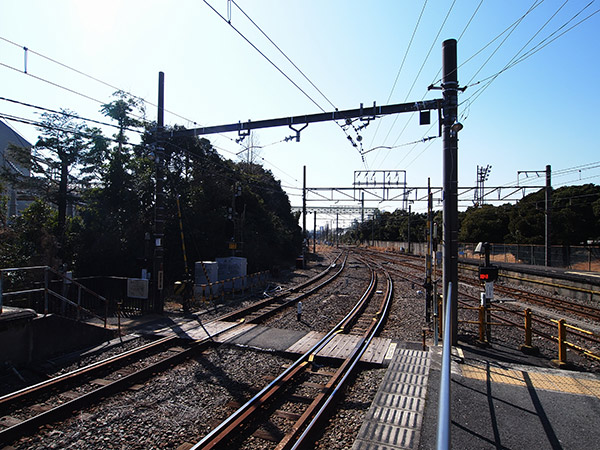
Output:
(447, 108)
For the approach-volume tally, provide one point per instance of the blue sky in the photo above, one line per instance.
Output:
(541, 111)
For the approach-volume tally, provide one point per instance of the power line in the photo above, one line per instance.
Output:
(86, 75)
(56, 128)
(283, 53)
(89, 76)
(73, 91)
(493, 40)
(513, 62)
(587, 166)
(264, 56)
(458, 40)
(468, 23)
(407, 50)
(68, 114)
(425, 139)
(75, 116)
(435, 40)
(277, 67)
(514, 27)
(402, 65)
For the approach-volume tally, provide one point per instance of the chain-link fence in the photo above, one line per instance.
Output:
(565, 256)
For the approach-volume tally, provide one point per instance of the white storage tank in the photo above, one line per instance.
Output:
(232, 267)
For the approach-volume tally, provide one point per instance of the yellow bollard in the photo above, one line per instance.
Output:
(528, 347)
(562, 346)
(528, 327)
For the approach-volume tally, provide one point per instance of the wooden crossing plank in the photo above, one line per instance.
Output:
(230, 334)
(221, 330)
(305, 344)
(341, 346)
(376, 350)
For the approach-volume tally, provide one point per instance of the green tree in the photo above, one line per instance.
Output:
(116, 214)
(60, 165)
(484, 224)
(30, 239)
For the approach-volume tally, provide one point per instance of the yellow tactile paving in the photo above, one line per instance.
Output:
(538, 380)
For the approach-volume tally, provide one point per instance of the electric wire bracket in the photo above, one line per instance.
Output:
(297, 131)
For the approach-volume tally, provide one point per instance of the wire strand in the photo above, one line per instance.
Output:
(283, 53)
(68, 114)
(263, 55)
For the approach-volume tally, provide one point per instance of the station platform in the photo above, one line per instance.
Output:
(501, 398)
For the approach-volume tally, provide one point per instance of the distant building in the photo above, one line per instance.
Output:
(17, 200)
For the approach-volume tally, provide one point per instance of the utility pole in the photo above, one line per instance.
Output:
(362, 207)
(408, 230)
(304, 232)
(159, 201)
(450, 130)
(547, 223)
(482, 175)
(315, 234)
(337, 230)
(428, 271)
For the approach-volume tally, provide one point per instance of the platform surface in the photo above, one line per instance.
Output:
(497, 403)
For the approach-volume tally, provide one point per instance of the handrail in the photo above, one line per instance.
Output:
(443, 431)
(46, 290)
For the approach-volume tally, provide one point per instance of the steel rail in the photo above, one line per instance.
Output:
(219, 435)
(65, 409)
(308, 424)
(89, 370)
(26, 426)
(60, 380)
(283, 295)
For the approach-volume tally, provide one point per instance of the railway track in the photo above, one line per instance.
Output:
(571, 307)
(312, 390)
(59, 397)
(26, 410)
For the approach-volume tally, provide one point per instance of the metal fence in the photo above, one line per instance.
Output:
(48, 291)
(575, 257)
(564, 256)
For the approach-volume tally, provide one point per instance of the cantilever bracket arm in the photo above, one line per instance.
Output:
(298, 131)
(242, 134)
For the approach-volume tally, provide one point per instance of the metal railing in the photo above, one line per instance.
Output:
(27, 287)
(443, 430)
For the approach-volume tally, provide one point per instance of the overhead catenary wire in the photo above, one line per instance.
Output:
(80, 72)
(78, 117)
(228, 21)
(435, 41)
(284, 54)
(498, 36)
(264, 56)
(518, 59)
(39, 124)
(401, 66)
(514, 27)
(414, 83)
(91, 77)
(66, 113)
